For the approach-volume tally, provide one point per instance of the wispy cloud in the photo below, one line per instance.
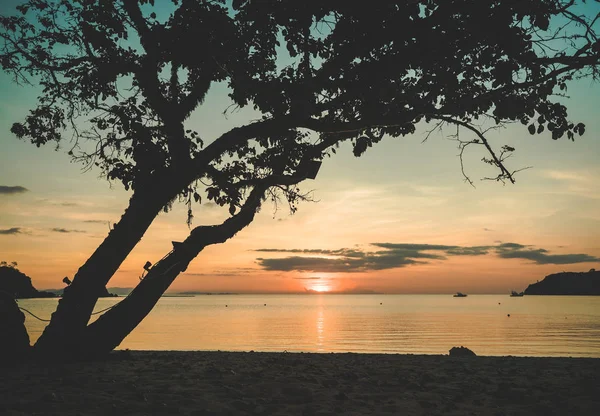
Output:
(232, 273)
(61, 203)
(541, 256)
(336, 265)
(580, 183)
(11, 231)
(347, 252)
(565, 175)
(65, 230)
(96, 221)
(397, 255)
(11, 190)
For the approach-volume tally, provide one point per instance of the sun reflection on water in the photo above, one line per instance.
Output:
(320, 329)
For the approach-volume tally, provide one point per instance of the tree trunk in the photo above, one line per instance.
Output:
(108, 331)
(14, 340)
(62, 335)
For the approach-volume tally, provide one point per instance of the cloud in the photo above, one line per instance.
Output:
(469, 251)
(348, 252)
(11, 190)
(510, 246)
(59, 203)
(335, 265)
(539, 256)
(307, 278)
(219, 274)
(403, 246)
(397, 255)
(566, 175)
(96, 221)
(65, 231)
(11, 231)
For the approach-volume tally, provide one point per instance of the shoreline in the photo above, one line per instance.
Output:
(274, 383)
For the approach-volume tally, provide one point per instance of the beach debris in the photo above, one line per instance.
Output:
(508, 314)
(461, 352)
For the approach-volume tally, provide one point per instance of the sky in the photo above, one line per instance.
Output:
(399, 219)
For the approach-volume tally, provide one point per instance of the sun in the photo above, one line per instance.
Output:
(321, 286)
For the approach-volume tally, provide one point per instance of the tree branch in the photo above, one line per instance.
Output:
(497, 162)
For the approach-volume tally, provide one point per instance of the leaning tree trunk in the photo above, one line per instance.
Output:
(108, 331)
(61, 337)
(14, 340)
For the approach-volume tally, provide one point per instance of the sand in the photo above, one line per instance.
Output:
(239, 383)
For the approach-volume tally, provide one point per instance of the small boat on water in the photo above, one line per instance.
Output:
(514, 294)
(460, 295)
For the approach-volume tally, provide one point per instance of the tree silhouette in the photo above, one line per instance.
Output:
(123, 77)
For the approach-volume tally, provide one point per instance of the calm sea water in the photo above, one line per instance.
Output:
(416, 324)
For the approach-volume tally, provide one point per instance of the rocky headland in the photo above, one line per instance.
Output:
(18, 284)
(567, 283)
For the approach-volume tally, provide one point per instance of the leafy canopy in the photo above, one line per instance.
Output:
(123, 77)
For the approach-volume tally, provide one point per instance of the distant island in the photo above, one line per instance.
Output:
(18, 284)
(567, 283)
(105, 293)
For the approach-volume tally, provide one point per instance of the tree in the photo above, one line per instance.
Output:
(123, 77)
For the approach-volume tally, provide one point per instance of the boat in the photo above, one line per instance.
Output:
(460, 295)
(514, 294)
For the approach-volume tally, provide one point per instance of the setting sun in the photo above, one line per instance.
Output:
(319, 284)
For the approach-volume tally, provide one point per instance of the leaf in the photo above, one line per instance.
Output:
(197, 197)
(361, 145)
(236, 4)
(542, 22)
(531, 129)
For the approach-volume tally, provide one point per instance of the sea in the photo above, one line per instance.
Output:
(494, 325)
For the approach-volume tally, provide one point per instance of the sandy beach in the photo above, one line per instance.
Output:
(238, 383)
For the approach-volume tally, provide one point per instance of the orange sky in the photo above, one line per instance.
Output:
(401, 192)
(554, 207)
